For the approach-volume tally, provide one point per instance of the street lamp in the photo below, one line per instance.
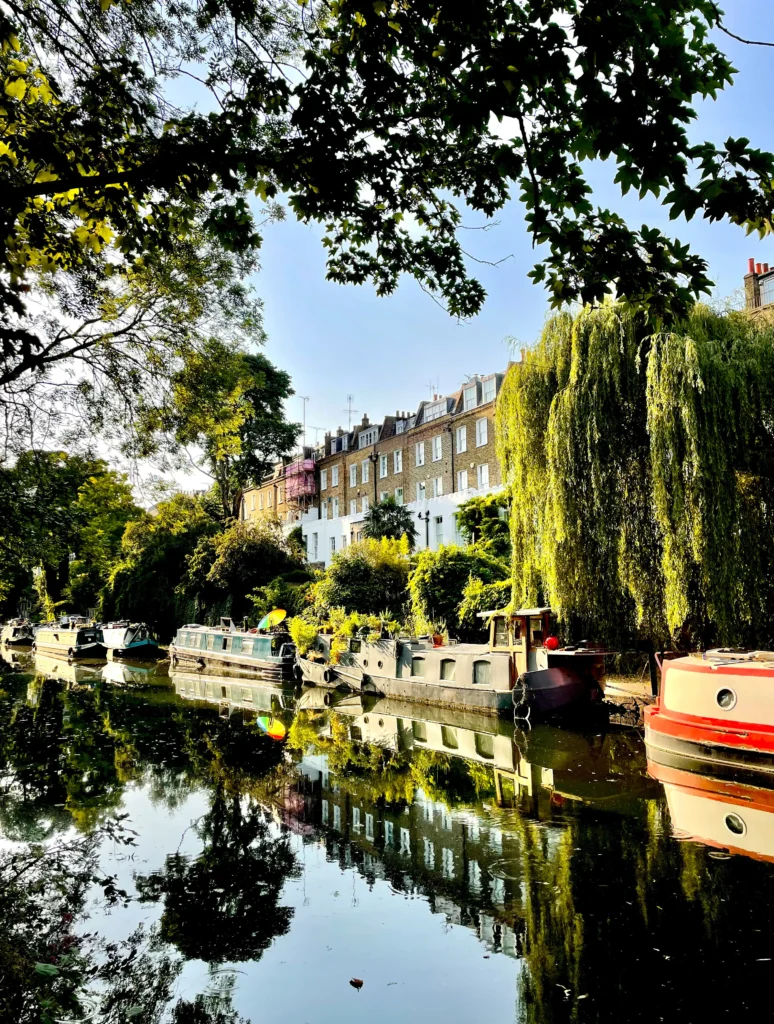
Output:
(425, 517)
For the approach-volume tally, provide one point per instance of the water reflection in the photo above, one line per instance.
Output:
(551, 851)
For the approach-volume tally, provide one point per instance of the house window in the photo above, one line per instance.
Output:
(335, 508)
(343, 540)
(437, 486)
(482, 675)
(324, 510)
(418, 666)
(459, 539)
(279, 495)
(481, 432)
(367, 437)
(313, 554)
(252, 502)
(334, 476)
(405, 841)
(353, 475)
(383, 466)
(470, 397)
(397, 461)
(324, 479)
(448, 668)
(364, 471)
(489, 390)
(269, 499)
(398, 495)
(434, 410)
(462, 439)
(389, 833)
(462, 480)
(421, 492)
(419, 457)
(333, 545)
(447, 863)
(437, 448)
(384, 495)
(260, 501)
(353, 506)
(483, 476)
(438, 521)
(364, 504)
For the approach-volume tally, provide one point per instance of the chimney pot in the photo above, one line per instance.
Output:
(751, 265)
(758, 268)
(765, 268)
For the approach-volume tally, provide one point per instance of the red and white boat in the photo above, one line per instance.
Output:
(717, 709)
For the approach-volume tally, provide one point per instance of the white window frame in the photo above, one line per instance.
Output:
(462, 439)
(462, 480)
(364, 471)
(333, 545)
(353, 475)
(436, 448)
(438, 528)
(335, 508)
(488, 391)
(384, 466)
(398, 495)
(384, 495)
(397, 461)
(437, 486)
(334, 476)
(323, 479)
(421, 490)
(252, 501)
(314, 547)
(324, 510)
(260, 502)
(419, 453)
(364, 504)
(467, 402)
(353, 506)
(482, 471)
(482, 432)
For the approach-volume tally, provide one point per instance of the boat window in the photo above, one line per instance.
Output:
(536, 631)
(355, 732)
(419, 729)
(355, 646)
(501, 632)
(223, 692)
(226, 643)
(449, 737)
(417, 666)
(482, 674)
(247, 695)
(247, 646)
(485, 746)
(448, 668)
(516, 631)
(210, 641)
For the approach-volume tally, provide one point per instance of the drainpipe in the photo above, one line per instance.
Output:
(450, 432)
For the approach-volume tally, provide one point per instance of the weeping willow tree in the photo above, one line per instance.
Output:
(642, 471)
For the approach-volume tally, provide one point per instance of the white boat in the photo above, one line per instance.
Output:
(129, 640)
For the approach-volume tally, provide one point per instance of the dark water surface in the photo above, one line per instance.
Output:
(463, 870)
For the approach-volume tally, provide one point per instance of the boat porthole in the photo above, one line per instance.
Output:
(380, 664)
(381, 723)
(365, 719)
(726, 699)
(735, 824)
(365, 662)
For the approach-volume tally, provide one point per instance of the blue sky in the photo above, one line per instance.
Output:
(388, 352)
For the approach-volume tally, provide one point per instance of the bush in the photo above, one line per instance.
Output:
(303, 634)
(288, 592)
(437, 583)
(481, 597)
(483, 520)
(369, 577)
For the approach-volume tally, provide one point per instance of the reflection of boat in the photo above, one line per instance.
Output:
(597, 768)
(129, 640)
(717, 708)
(515, 667)
(16, 633)
(232, 690)
(66, 670)
(72, 641)
(270, 654)
(122, 673)
(732, 816)
(17, 658)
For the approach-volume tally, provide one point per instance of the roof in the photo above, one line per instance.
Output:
(521, 612)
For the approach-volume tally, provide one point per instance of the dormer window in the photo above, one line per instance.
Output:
(434, 410)
(470, 397)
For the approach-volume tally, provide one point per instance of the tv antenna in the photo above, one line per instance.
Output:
(304, 399)
(434, 387)
(349, 410)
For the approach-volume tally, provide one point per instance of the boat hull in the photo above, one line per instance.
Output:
(259, 666)
(18, 641)
(549, 690)
(92, 650)
(142, 650)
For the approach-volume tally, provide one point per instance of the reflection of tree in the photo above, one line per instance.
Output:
(223, 905)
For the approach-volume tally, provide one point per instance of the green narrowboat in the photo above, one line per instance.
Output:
(268, 654)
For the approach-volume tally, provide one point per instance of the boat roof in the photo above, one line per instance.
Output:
(525, 612)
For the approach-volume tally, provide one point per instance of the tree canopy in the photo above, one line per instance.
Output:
(641, 469)
(389, 519)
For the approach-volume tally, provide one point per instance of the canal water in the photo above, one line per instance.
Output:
(298, 862)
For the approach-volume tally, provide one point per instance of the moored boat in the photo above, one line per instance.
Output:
(132, 640)
(17, 633)
(715, 709)
(516, 668)
(71, 641)
(269, 654)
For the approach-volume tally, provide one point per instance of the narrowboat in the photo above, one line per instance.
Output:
(131, 640)
(235, 691)
(736, 817)
(269, 654)
(715, 709)
(71, 641)
(518, 668)
(17, 633)
(65, 670)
